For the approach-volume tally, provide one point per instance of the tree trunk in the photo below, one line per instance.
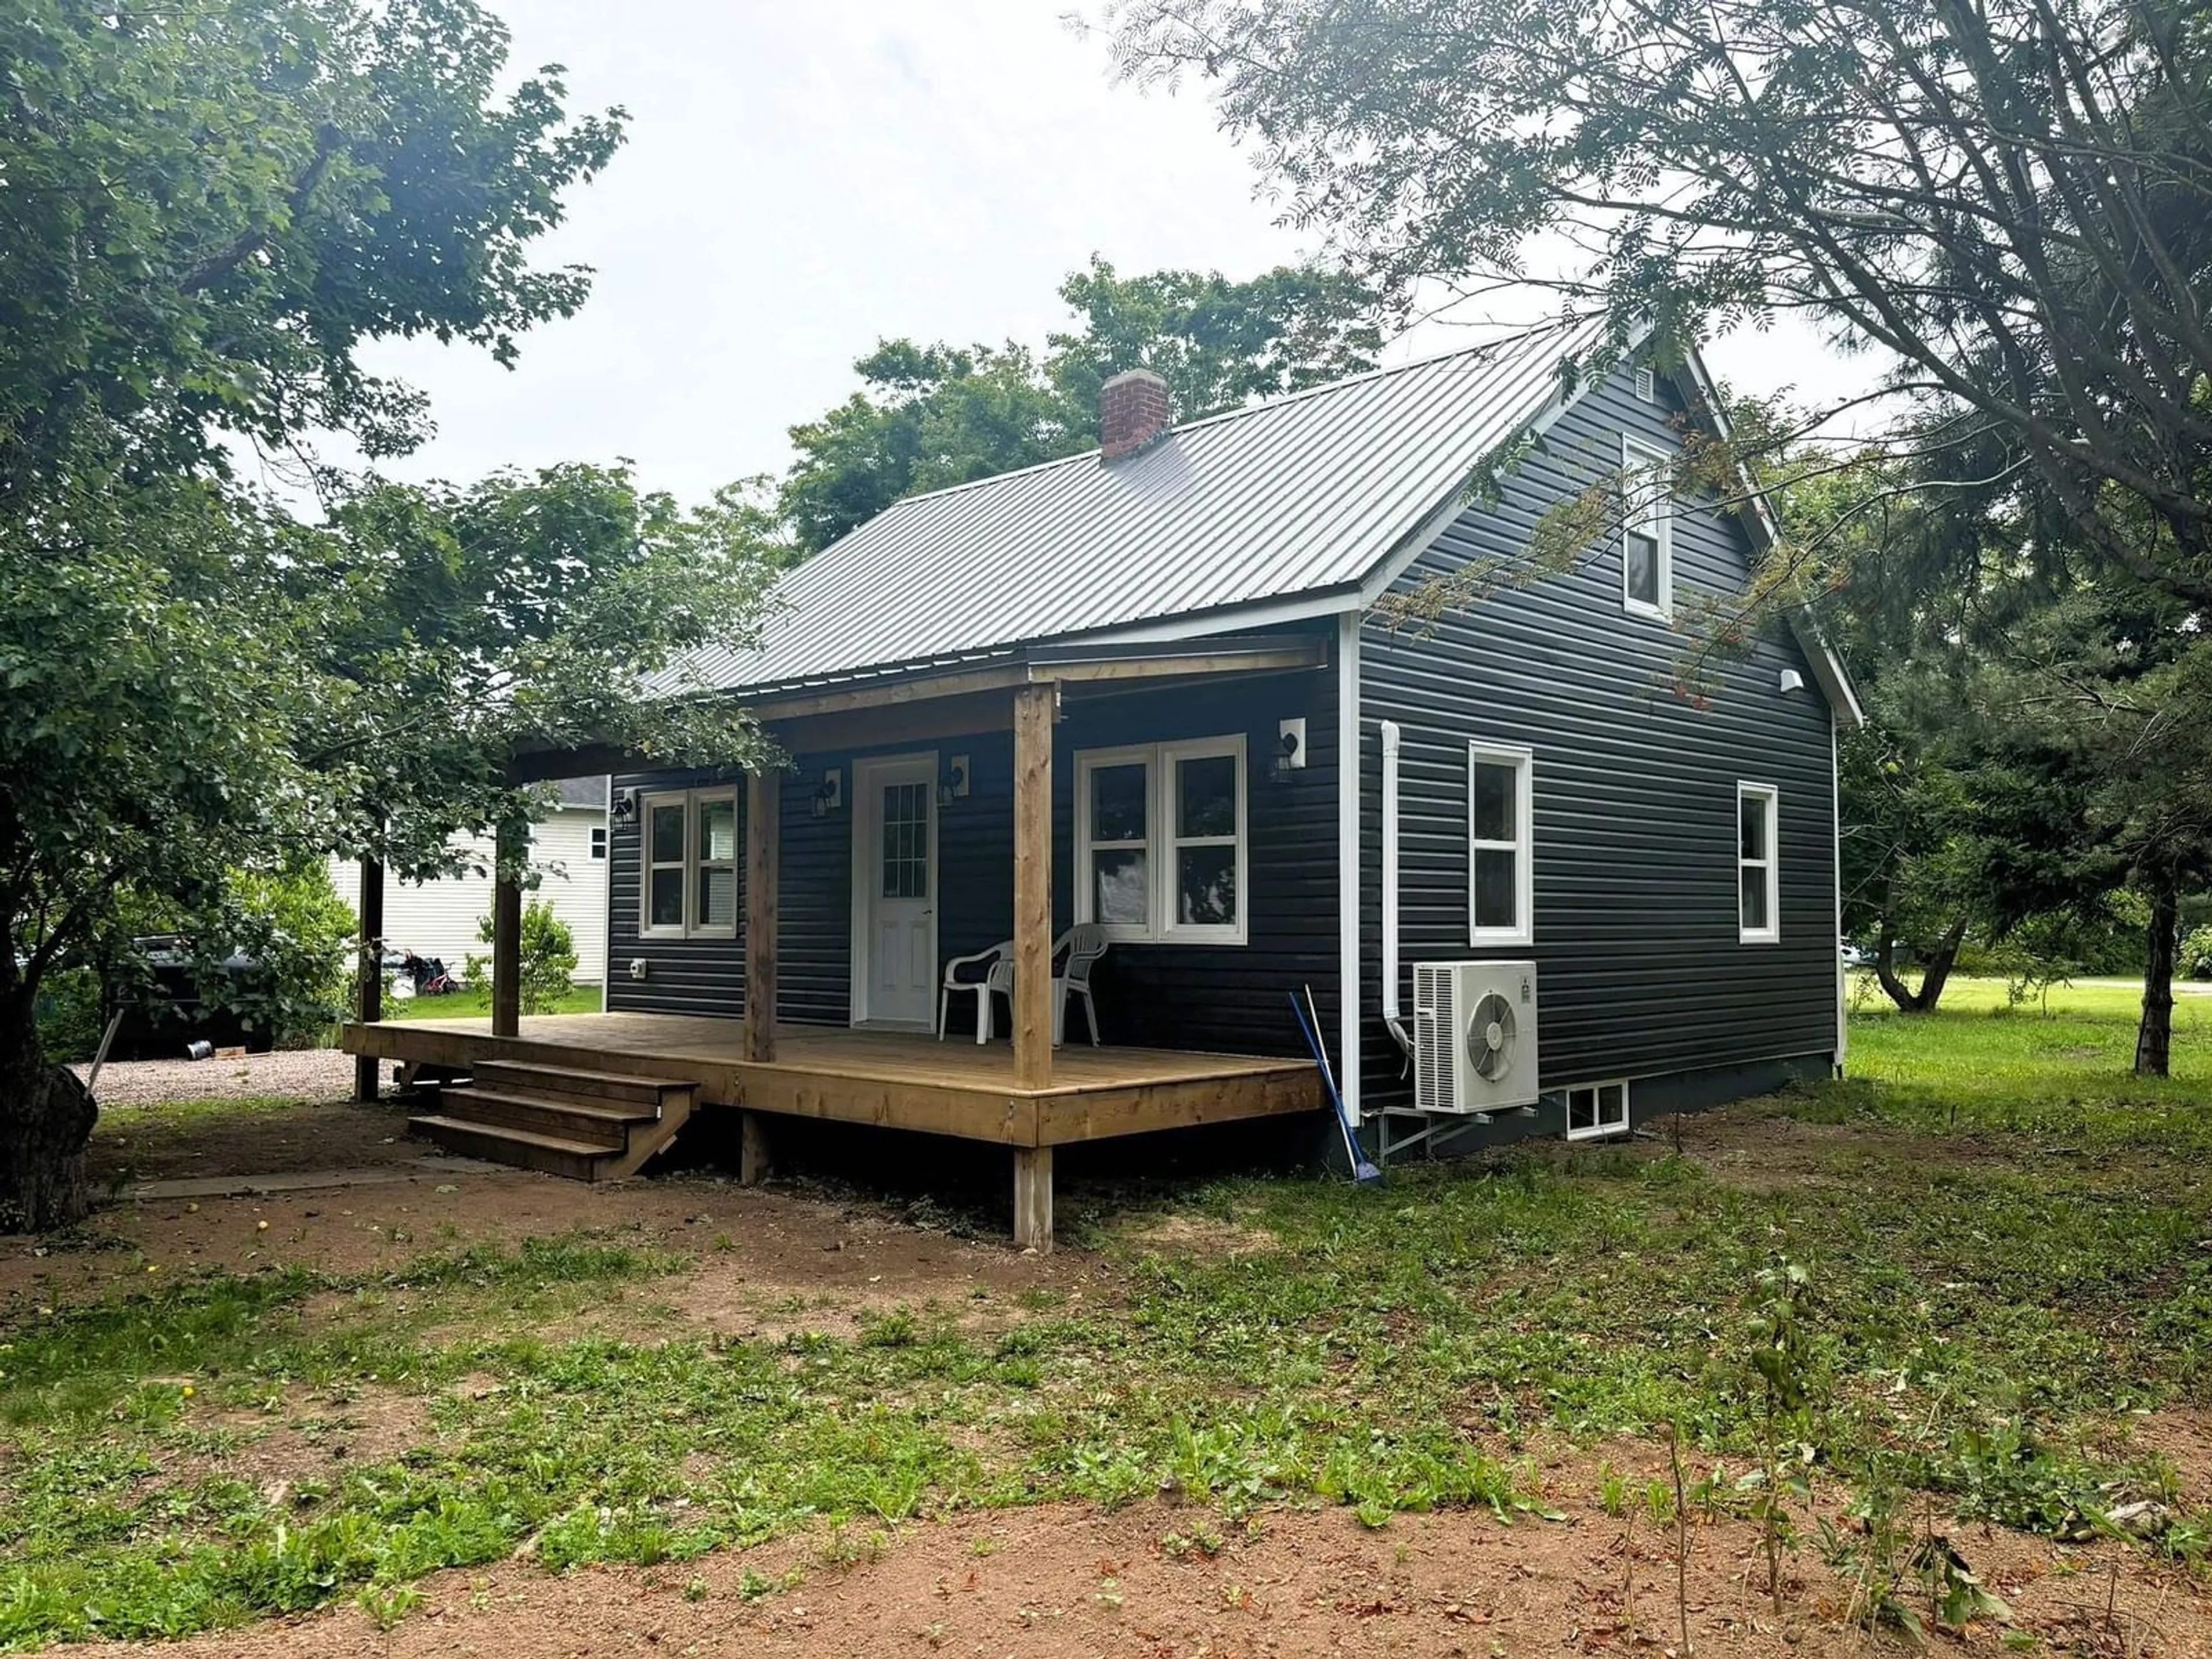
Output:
(1933, 977)
(46, 1116)
(2154, 1037)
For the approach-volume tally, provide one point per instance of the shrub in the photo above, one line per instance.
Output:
(303, 935)
(69, 1015)
(548, 959)
(2195, 959)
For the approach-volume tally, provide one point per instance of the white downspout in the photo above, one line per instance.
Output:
(1391, 739)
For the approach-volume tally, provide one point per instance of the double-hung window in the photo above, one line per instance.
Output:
(1647, 535)
(1161, 844)
(1757, 866)
(1500, 845)
(690, 888)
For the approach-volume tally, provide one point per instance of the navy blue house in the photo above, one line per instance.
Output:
(1196, 690)
(1513, 778)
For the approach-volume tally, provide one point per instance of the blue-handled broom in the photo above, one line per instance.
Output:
(1365, 1173)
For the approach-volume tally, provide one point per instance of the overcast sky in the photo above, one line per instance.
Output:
(802, 178)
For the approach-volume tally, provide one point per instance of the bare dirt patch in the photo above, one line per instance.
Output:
(1068, 1580)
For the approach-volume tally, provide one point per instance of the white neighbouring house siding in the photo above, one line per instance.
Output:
(440, 918)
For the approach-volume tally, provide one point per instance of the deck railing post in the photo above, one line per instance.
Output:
(1033, 716)
(369, 972)
(506, 931)
(763, 816)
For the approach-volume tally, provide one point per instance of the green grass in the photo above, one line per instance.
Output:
(2005, 1235)
(477, 1004)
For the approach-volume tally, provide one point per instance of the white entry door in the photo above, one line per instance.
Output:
(894, 892)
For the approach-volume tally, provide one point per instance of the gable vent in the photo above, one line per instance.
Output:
(1647, 386)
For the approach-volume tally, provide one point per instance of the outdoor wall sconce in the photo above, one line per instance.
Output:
(953, 785)
(830, 795)
(1289, 746)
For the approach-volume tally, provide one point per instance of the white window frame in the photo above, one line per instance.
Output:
(1601, 1127)
(599, 840)
(1161, 844)
(690, 800)
(1649, 510)
(1772, 862)
(1523, 760)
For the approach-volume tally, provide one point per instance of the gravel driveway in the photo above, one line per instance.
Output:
(295, 1073)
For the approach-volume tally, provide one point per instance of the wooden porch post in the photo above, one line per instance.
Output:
(763, 815)
(507, 932)
(1033, 712)
(369, 972)
(1033, 1198)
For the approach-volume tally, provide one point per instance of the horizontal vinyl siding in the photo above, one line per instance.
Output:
(1198, 997)
(1640, 969)
(440, 918)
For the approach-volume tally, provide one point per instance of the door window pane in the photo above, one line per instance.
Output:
(667, 907)
(668, 835)
(1206, 885)
(1117, 803)
(1495, 817)
(1120, 892)
(906, 841)
(1206, 796)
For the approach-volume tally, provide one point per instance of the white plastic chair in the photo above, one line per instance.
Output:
(997, 979)
(1085, 944)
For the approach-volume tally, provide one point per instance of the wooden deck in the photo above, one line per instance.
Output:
(893, 1079)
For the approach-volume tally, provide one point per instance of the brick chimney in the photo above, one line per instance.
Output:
(1132, 410)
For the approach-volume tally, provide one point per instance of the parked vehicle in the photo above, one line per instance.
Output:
(170, 1007)
(1856, 956)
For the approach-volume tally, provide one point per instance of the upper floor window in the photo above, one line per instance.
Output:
(599, 843)
(1501, 844)
(1161, 845)
(1647, 536)
(689, 886)
(1757, 864)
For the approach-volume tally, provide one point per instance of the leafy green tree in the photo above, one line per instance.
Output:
(210, 211)
(2011, 202)
(939, 415)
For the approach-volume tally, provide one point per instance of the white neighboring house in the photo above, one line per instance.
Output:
(569, 850)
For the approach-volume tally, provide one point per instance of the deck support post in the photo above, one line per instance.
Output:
(763, 815)
(369, 972)
(506, 931)
(1034, 707)
(752, 1148)
(1033, 1198)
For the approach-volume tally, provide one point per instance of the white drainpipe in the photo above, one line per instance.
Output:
(1391, 737)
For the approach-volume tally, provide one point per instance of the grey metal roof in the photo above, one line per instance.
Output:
(1303, 495)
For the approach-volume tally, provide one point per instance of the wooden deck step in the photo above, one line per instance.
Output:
(572, 1120)
(499, 1143)
(565, 1120)
(578, 1082)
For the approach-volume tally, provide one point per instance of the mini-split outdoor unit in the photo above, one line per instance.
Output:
(1474, 1035)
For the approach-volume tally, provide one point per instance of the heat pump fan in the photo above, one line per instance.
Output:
(1474, 1035)
(1490, 1038)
